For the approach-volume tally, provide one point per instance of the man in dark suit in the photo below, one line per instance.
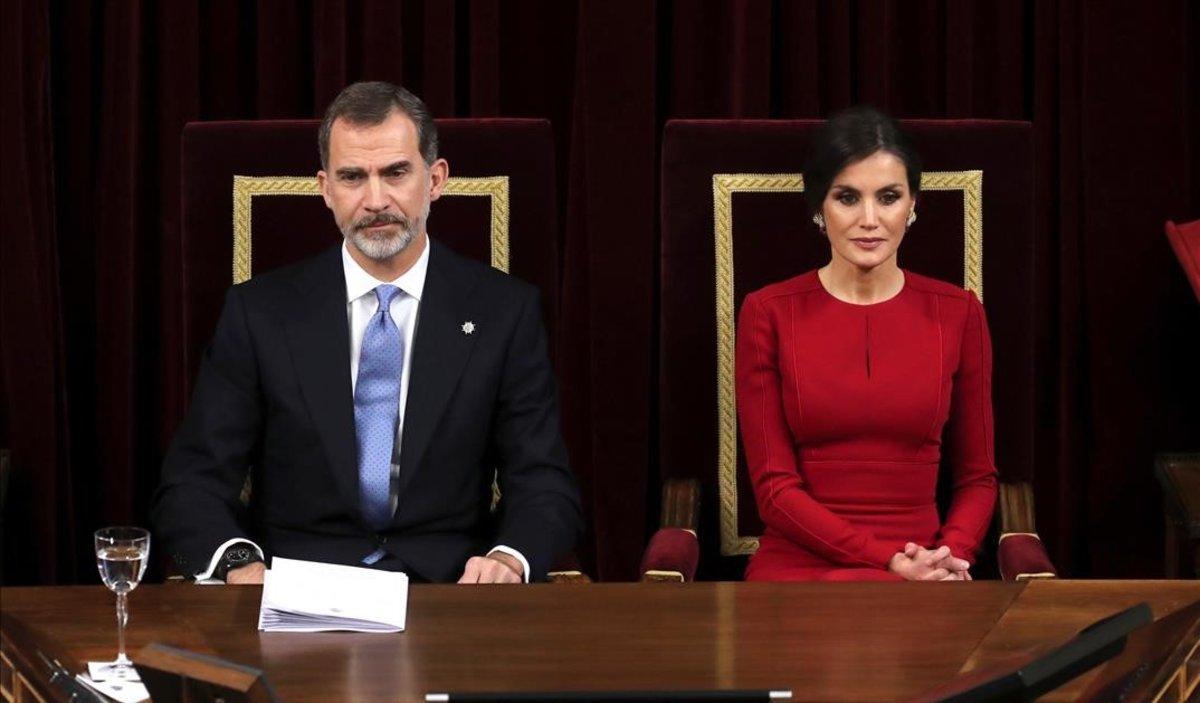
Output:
(373, 391)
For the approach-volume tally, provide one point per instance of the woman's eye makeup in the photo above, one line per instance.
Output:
(851, 197)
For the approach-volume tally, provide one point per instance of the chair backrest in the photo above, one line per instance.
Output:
(250, 204)
(1185, 241)
(734, 220)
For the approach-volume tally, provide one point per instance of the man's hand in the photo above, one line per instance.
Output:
(250, 574)
(496, 567)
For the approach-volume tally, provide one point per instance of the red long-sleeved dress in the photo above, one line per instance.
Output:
(844, 411)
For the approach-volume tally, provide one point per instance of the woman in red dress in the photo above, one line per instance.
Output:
(852, 378)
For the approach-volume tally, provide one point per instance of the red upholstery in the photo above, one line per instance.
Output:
(773, 239)
(290, 228)
(671, 551)
(1023, 556)
(1185, 240)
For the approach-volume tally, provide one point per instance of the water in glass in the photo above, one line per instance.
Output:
(121, 556)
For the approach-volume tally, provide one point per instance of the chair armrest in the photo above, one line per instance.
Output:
(674, 551)
(680, 503)
(672, 555)
(1022, 556)
(1016, 507)
(567, 570)
(570, 576)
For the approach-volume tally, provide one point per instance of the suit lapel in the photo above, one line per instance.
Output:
(319, 335)
(440, 352)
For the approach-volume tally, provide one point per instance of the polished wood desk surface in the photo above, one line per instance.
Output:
(853, 642)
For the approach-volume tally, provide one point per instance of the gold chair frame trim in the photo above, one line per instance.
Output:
(969, 183)
(246, 188)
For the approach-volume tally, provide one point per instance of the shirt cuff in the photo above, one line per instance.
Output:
(216, 557)
(515, 554)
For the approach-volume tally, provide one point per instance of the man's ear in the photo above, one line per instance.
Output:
(439, 173)
(323, 185)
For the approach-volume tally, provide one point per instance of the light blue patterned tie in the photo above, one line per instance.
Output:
(376, 408)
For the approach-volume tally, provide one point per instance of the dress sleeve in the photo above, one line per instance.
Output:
(784, 502)
(968, 440)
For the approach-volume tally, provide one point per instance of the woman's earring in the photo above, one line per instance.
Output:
(819, 221)
(912, 217)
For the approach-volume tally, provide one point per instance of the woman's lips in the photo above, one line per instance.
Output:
(868, 243)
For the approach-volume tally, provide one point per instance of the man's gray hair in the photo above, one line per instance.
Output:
(369, 103)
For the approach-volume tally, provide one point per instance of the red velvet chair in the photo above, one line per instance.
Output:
(734, 220)
(1185, 241)
(1178, 472)
(250, 204)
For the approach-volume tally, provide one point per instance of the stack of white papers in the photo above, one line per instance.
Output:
(308, 596)
(98, 679)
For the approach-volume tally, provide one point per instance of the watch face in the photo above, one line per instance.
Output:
(240, 555)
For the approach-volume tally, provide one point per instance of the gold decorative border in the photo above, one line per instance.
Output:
(495, 187)
(971, 185)
(724, 186)
(246, 188)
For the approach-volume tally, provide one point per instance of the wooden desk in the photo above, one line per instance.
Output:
(852, 642)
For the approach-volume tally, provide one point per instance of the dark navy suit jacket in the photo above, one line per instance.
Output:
(274, 398)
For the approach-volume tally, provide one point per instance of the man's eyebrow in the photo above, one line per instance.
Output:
(401, 165)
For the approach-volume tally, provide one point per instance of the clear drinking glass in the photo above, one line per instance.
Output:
(121, 557)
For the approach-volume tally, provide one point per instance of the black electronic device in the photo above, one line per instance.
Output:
(1035, 673)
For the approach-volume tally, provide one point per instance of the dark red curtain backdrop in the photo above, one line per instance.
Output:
(96, 95)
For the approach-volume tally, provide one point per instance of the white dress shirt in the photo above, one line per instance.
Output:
(361, 305)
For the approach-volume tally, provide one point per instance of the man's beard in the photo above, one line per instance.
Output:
(384, 244)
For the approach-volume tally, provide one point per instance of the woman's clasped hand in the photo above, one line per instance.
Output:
(917, 563)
